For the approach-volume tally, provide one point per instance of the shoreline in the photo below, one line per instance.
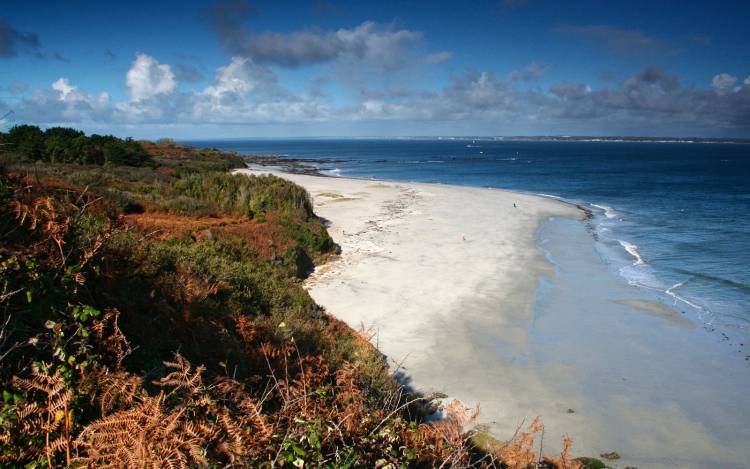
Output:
(512, 308)
(269, 164)
(416, 267)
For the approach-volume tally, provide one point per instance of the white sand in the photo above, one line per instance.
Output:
(420, 263)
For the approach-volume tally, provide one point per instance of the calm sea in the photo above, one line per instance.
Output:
(671, 218)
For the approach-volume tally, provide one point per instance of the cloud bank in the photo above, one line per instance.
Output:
(245, 92)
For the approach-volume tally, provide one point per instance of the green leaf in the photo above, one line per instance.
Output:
(91, 311)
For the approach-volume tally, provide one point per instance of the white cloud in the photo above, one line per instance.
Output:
(723, 82)
(75, 99)
(147, 78)
(64, 102)
(747, 80)
(378, 46)
(375, 45)
(64, 87)
(244, 92)
(240, 77)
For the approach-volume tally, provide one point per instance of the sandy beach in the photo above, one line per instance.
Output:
(414, 257)
(499, 299)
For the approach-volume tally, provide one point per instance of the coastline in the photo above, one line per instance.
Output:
(521, 316)
(420, 263)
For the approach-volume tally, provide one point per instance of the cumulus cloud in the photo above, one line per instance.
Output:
(244, 92)
(723, 83)
(655, 98)
(147, 78)
(565, 90)
(655, 75)
(63, 86)
(650, 100)
(368, 42)
(234, 84)
(64, 103)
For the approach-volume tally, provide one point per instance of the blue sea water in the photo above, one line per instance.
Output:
(671, 218)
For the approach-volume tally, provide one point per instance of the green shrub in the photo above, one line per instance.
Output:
(246, 195)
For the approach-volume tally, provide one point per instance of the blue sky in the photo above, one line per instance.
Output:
(354, 68)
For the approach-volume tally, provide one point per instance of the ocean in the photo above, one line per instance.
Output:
(672, 219)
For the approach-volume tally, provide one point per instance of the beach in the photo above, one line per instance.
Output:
(499, 299)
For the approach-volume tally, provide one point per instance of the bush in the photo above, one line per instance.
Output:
(246, 196)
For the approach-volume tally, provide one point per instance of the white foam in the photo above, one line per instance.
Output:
(670, 292)
(633, 251)
(332, 172)
(609, 212)
(550, 196)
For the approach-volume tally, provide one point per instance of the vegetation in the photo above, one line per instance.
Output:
(154, 316)
(62, 145)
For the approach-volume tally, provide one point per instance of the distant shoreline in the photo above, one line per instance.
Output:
(517, 138)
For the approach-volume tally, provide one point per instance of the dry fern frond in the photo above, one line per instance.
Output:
(109, 335)
(519, 453)
(47, 416)
(182, 378)
(564, 461)
(119, 390)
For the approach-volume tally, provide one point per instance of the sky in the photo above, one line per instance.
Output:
(246, 69)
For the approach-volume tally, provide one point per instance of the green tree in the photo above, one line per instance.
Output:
(60, 145)
(26, 142)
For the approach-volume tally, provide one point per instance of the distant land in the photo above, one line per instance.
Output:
(582, 138)
(515, 138)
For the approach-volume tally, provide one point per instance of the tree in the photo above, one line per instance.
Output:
(27, 142)
(60, 145)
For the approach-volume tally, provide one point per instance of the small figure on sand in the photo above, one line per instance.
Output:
(514, 205)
